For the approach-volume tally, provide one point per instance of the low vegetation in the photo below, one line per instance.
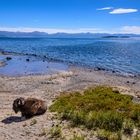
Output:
(44, 132)
(100, 108)
(56, 132)
(33, 122)
(75, 137)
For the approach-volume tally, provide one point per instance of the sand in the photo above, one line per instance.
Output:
(48, 87)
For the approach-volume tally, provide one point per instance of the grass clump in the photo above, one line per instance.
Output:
(33, 122)
(108, 120)
(128, 127)
(76, 137)
(56, 132)
(107, 135)
(43, 132)
(99, 108)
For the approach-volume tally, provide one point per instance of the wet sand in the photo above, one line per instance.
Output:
(48, 87)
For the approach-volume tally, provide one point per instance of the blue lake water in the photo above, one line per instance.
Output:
(122, 55)
(18, 66)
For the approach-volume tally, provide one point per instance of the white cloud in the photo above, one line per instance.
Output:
(105, 8)
(52, 30)
(123, 11)
(130, 29)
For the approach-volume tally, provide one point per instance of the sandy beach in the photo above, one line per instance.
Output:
(48, 87)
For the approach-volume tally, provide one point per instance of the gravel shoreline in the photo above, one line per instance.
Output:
(48, 87)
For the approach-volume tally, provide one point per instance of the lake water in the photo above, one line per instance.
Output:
(121, 55)
(19, 66)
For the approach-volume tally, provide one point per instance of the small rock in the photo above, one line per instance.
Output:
(99, 69)
(47, 82)
(8, 58)
(34, 55)
(25, 124)
(116, 91)
(127, 82)
(133, 83)
(113, 71)
(27, 59)
(136, 99)
(138, 96)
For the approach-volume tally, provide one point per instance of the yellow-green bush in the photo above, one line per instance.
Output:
(100, 107)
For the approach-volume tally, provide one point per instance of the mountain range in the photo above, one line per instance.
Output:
(5, 34)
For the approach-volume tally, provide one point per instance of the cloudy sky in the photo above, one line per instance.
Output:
(71, 16)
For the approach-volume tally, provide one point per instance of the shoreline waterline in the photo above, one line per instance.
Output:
(58, 65)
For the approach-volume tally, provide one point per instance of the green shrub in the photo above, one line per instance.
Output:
(135, 114)
(100, 107)
(104, 120)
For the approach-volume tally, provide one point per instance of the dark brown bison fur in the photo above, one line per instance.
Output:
(29, 107)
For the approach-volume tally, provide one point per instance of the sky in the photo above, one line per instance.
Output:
(71, 16)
